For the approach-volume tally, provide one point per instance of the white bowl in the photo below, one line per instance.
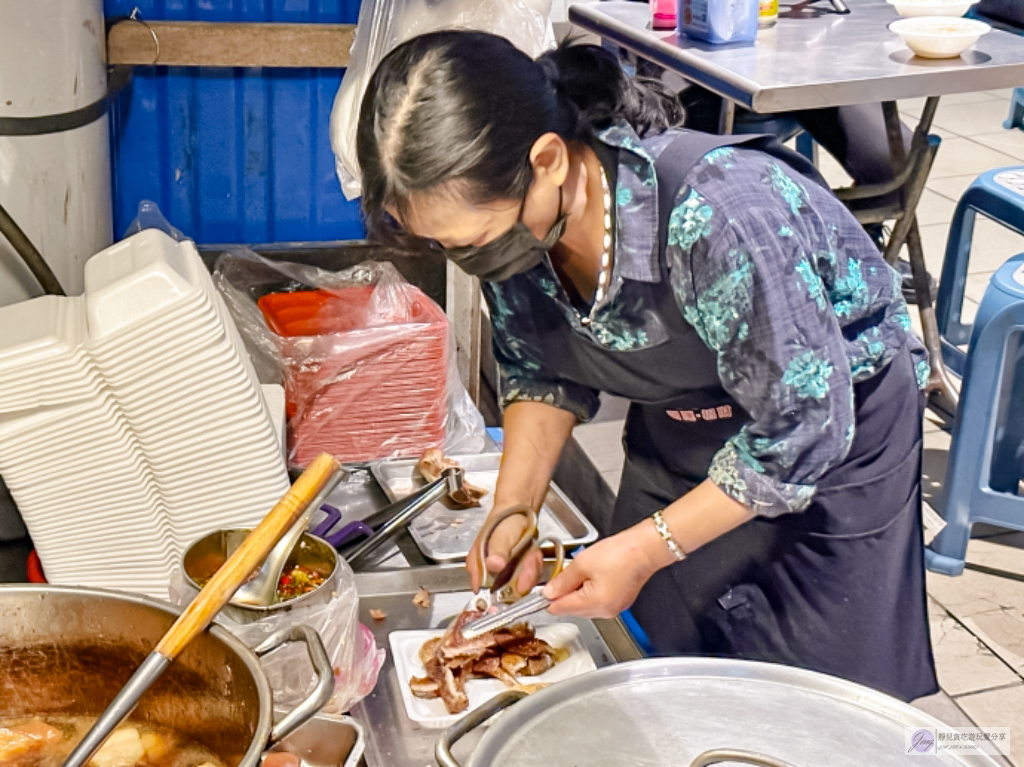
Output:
(912, 8)
(939, 37)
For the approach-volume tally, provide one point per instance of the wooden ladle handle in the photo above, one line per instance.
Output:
(247, 557)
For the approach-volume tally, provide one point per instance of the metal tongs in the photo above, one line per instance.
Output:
(528, 605)
(401, 513)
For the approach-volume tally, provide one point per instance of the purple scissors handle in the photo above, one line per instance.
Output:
(348, 533)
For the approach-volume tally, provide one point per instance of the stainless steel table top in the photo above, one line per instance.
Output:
(812, 58)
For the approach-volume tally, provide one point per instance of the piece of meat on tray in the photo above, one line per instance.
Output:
(434, 462)
(501, 654)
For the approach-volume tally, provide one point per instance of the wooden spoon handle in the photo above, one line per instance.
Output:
(247, 557)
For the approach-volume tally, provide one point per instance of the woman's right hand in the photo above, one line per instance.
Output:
(504, 537)
(535, 434)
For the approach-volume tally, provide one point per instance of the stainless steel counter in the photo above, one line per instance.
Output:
(812, 58)
(392, 739)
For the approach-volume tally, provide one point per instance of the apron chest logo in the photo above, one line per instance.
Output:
(703, 414)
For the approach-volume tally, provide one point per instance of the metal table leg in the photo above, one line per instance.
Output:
(942, 395)
(726, 117)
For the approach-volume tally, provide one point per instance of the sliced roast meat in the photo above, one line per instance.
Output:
(502, 654)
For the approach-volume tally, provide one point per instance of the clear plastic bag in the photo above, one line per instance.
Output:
(149, 216)
(367, 360)
(353, 652)
(384, 24)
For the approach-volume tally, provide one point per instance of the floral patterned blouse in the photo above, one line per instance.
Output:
(777, 278)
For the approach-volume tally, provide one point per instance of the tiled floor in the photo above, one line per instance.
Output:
(977, 619)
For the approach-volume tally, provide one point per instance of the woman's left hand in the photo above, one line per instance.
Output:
(605, 579)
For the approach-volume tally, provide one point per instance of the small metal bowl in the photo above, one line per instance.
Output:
(206, 555)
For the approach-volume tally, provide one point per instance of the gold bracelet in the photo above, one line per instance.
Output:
(666, 535)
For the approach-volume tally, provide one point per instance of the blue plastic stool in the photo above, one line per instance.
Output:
(1016, 117)
(998, 195)
(986, 459)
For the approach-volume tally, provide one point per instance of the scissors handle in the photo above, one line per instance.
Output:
(507, 583)
(480, 548)
(559, 548)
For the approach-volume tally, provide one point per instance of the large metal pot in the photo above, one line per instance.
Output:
(693, 712)
(69, 650)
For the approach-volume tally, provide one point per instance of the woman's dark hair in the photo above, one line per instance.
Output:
(460, 110)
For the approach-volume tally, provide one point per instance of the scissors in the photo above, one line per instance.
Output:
(500, 600)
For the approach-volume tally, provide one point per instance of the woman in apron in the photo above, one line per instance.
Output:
(770, 502)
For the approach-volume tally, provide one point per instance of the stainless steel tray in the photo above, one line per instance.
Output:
(326, 740)
(394, 740)
(445, 534)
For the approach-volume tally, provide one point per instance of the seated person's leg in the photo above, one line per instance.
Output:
(856, 137)
(702, 108)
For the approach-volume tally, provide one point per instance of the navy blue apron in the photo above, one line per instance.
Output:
(838, 588)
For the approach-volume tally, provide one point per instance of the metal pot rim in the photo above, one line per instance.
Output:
(265, 714)
(521, 713)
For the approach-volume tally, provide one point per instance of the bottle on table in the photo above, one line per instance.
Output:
(767, 13)
(663, 14)
(719, 21)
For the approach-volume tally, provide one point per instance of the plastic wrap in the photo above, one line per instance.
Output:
(149, 216)
(350, 645)
(367, 360)
(384, 24)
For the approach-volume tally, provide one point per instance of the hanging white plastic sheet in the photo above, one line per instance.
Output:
(385, 24)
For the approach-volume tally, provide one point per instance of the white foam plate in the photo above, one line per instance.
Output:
(166, 348)
(176, 415)
(213, 505)
(85, 440)
(141, 277)
(220, 435)
(38, 331)
(187, 318)
(187, 376)
(82, 549)
(105, 467)
(120, 492)
(206, 466)
(199, 322)
(69, 371)
(233, 389)
(129, 500)
(405, 648)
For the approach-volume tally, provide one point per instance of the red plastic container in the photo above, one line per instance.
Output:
(35, 568)
(366, 373)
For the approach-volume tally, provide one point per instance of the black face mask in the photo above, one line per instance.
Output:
(515, 252)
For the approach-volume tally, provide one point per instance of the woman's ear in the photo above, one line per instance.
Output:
(549, 157)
